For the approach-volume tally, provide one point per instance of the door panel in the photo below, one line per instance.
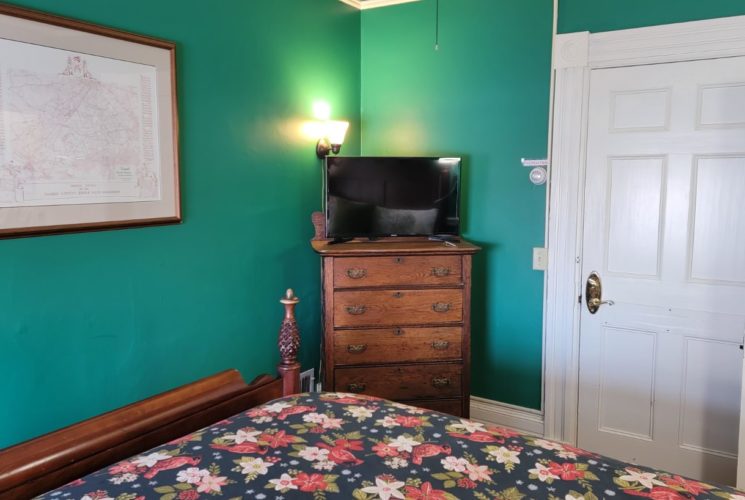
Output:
(664, 225)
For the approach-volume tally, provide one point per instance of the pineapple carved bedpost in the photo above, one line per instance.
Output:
(289, 342)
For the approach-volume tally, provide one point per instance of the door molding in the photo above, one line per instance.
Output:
(575, 56)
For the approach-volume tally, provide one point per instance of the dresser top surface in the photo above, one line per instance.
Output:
(387, 247)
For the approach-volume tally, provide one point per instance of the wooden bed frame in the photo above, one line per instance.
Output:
(52, 460)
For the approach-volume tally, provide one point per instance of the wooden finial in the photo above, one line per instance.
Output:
(289, 343)
(319, 224)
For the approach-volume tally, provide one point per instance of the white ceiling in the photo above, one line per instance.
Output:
(371, 4)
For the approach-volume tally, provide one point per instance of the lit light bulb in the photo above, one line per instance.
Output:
(321, 110)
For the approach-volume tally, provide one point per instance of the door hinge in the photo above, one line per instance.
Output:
(579, 299)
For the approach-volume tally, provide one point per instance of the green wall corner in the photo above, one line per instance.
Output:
(484, 95)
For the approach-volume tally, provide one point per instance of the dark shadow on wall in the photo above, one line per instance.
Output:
(480, 340)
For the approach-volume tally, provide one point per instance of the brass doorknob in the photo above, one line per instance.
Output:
(594, 293)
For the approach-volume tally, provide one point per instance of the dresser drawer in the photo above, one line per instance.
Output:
(397, 345)
(402, 382)
(398, 307)
(351, 272)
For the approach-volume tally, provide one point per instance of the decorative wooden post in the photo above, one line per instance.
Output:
(289, 342)
(319, 225)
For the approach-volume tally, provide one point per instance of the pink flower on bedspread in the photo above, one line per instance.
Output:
(171, 463)
(426, 492)
(97, 495)
(384, 450)
(407, 421)
(692, 487)
(278, 440)
(125, 467)
(310, 482)
(566, 471)
(501, 431)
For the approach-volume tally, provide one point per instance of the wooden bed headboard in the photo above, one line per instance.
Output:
(44, 463)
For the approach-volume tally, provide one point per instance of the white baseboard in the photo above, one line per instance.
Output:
(506, 415)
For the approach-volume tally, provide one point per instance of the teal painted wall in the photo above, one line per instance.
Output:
(483, 95)
(92, 321)
(607, 15)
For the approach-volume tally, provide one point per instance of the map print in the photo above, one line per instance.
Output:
(75, 129)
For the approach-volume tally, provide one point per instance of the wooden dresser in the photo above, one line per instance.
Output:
(396, 319)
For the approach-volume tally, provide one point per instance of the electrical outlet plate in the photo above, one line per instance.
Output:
(540, 259)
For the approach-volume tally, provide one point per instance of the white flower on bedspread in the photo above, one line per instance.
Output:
(323, 420)
(314, 418)
(277, 407)
(469, 426)
(97, 497)
(359, 412)
(504, 455)
(284, 483)
(397, 463)
(543, 473)
(403, 443)
(478, 472)
(210, 484)
(647, 479)
(124, 478)
(254, 466)
(247, 435)
(324, 465)
(192, 475)
(313, 453)
(386, 489)
(547, 445)
(150, 460)
(454, 464)
(387, 422)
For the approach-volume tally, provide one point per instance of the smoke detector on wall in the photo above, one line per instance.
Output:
(371, 4)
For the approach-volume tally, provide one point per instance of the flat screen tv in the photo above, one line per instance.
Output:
(385, 196)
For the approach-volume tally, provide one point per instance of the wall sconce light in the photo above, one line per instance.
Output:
(333, 138)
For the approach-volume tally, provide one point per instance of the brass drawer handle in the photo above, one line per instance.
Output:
(440, 345)
(356, 274)
(356, 387)
(441, 381)
(441, 307)
(356, 348)
(398, 332)
(440, 272)
(356, 310)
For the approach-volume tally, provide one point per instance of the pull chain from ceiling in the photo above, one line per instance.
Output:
(437, 26)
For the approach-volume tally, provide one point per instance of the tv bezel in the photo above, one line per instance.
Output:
(452, 159)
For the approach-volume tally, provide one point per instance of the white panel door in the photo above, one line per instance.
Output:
(664, 227)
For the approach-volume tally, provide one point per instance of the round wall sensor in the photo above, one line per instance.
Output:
(538, 176)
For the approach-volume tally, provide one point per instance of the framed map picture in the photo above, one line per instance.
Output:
(88, 126)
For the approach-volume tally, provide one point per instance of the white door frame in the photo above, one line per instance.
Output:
(575, 55)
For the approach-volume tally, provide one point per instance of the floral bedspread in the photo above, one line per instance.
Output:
(333, 445)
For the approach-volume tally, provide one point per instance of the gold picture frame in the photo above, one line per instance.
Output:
(88, 126)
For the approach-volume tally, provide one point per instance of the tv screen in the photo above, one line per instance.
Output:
(385, 196)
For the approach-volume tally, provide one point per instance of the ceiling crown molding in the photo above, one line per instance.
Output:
(372, 4)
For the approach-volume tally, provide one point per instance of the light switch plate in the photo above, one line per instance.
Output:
(540, 259)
